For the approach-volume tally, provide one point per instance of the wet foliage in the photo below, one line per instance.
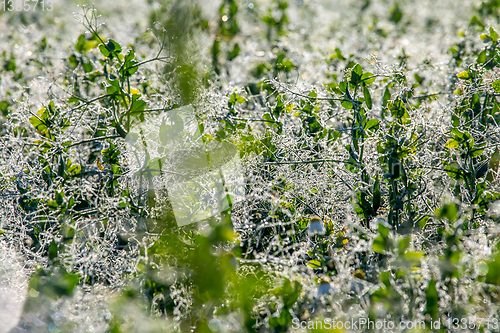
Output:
(367, 133)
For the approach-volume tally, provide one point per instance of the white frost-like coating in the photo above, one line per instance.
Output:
(13, 288)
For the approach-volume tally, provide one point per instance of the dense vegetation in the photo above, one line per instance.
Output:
(366, 136)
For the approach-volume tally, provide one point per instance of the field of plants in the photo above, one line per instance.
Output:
(249, 166)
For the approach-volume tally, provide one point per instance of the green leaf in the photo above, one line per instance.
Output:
(464, 75)
(493, 34)
(432, 298)
(38, 124)
(311, 94)
(493, 274)
(379, 244)
(59, 197)
(334, 87)
(452, 143)
(73, 61)
(268, 117)
(398, 110)
(383, 230)
(485, 38)
(468, 139)
(356, 74)
(385, 278)
(358, 70)
(129, 66)
(74, 169)
(347, 104)
(423, 222)
(52, 250)
(111, 48)
(376, 196)
(79, 43)
(493, 166)
(481, 58)
(314, 264)
(403, 244)
(60, 169)
(137, 105)
(367, 78)
(286, 66)
(396, 14)
(449, 211)
(457, 134)
(386, 97)
(337, 55)
(129, 56)
(418, 78)
(235, 98)
(111, 90)
(476, 152)
(454, 171)
(343, 86)
(496, 86)
(413, 258)
(73, 100)
(104, 50)
(52, 203)
(89, 45)
(368, 98)
(372, 123)
(234, 53)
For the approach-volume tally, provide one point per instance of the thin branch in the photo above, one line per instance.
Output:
(258, 120)
(93, 139)
(89, 102)
(309, 162)
(319, 98)
(428, 95)
(149, 60)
